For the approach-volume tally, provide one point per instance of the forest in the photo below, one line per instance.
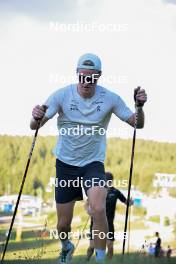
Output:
(150, 157)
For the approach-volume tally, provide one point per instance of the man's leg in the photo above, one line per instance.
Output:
(65, 197)
(97, 201)
(65, 215)
(110, 247)
(90, 250)
(110, 239)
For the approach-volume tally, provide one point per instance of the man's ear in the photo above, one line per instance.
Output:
(100, 73)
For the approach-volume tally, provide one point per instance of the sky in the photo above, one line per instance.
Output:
(41, 41)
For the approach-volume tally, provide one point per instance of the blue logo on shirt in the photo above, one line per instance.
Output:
(98, 108)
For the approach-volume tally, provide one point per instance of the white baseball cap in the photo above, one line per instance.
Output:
(89, 61)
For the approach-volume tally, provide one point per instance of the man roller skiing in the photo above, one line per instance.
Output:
(84, 111)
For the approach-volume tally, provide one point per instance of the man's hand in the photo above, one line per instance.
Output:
(140, 96)
(38, 112)
(130, 202)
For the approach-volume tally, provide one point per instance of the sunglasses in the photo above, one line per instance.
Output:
(88, 78)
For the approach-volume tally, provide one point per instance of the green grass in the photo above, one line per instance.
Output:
(36, 249)
(79, 259)
(46, 251)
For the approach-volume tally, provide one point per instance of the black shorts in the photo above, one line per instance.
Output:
(71, 179)
(110, 235)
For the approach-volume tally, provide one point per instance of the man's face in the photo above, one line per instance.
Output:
(87, 81)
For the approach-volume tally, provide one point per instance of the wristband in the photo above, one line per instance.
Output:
(138, 107)
(34, 119)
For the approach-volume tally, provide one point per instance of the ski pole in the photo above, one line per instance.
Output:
(21, 188)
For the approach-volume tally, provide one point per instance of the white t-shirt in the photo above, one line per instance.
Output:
(82, 123)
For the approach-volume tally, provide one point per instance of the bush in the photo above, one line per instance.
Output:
(139, 211)
(166, 221)
(155, 218)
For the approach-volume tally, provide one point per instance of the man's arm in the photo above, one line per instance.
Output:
(33, 122)
(140, 98)
(38, 113)
(48, 110)
(121, 110)
(122, 198)
(140, 118)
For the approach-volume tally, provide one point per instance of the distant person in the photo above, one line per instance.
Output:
(112, 196)
(151, 250)
(169, 252)
(157, 245)
(142, 251)
(144, 248)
